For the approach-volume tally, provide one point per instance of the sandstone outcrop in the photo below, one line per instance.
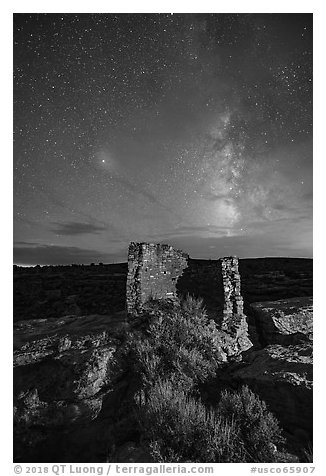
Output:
(72, 390)
(286, 321)
(63, 368)
(282, 376)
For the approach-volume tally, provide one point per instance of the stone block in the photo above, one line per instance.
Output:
(153, 271)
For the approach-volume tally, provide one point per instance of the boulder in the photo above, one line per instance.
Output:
(235, 340)
(63, 368)
(288, 321)
(282, 376)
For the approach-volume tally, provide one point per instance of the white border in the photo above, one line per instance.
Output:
(107, 6)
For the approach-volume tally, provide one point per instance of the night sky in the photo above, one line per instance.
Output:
(188, 129)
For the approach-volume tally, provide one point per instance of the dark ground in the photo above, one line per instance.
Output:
(55, 291)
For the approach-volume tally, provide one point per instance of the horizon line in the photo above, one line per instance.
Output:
(23, 265)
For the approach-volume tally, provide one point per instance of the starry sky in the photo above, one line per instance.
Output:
(188, 129)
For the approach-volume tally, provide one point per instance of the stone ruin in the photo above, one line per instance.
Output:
(232, 299)
(153, 271)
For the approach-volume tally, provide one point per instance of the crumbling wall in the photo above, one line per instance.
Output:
(217, 282)
(153, 270)
(233, 322)
(233, 301)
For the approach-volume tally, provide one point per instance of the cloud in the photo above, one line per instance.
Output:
(25, 243)
(281, 206)
(51, 197)
(288, 208)
(205, 228)
(282, 237)
(242, 246)
(76, 228)
(191, 231)
(32, 254)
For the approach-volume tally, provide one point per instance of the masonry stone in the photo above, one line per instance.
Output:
(153, 271)
(233, 301)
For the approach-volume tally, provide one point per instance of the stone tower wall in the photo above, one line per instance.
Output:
(233, 320)
(153, 270)
(233, 301)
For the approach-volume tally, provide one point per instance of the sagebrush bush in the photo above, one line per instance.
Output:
(308, 456)
(179, 428)
(179, 340)
(179, 348)
(193, 306)
(258, 429)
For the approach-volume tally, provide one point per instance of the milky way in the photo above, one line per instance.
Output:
(190, 129)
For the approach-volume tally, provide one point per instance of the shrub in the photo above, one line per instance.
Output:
(308, 456)
(178, 349)
(179, 340)
(192, 306)
(179, 428)
(259, 430)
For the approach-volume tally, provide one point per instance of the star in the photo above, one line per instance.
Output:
(150, 126)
